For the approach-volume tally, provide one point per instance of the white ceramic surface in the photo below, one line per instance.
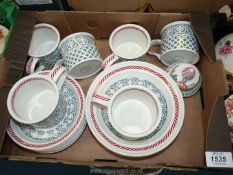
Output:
(45, 40)
(224, 51)
(34, 97)
(128, 42)
(43, 48)
(24, 135)
(178, 43)
(134, 111)
(81, 56)
(121, 75)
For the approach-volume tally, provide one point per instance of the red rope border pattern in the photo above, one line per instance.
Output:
(156, 143)
(29, 65)
(108, 60)
(130, 28)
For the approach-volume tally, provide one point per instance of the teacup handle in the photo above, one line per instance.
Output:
(112, 58)
(155, 42)
(58, 74)
(31, 65)
(100, 100)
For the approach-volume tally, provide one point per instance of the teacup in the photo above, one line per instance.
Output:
(178, 44)
(128, 42)
(80, 54)
(43, 48)
(34, 97)
(133, 111)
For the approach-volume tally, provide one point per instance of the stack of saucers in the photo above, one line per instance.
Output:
(61, 129)
(134, 109)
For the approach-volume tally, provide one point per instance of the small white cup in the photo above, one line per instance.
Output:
(134, 112)
(34, 97)
(128, 42)
(45, 40)
(43, 48)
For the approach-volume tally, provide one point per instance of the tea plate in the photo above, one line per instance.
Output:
(127, 73)
(67, 143)
(66, 121)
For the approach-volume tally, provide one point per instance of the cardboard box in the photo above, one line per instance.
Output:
(40, 5)
(158, 5)
(204, 128)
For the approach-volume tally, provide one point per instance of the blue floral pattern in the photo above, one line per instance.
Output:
(50, 60)
(79, 48)
(59, 121)
(179, 36)
(140, 82)
(79, 54)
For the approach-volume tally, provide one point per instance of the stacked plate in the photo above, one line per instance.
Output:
(160, 87)
(61, 129)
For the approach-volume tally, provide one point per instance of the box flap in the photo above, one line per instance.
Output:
(158, 5)
(218, 131)
(203, 29)
(12, 66)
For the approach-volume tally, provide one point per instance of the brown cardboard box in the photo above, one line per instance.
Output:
(158, 5)
(204, 127)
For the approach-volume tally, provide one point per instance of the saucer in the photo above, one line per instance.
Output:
(224, 51)
(147, 75)
(125, 81)
(61, 129)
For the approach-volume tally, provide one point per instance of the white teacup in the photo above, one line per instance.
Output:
(43, 48)
(80, 54)
(133, 111)
(128, 42)
(34, 97)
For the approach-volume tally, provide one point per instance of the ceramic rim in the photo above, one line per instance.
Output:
(173, 23)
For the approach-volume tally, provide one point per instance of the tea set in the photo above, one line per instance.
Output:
(132, 107)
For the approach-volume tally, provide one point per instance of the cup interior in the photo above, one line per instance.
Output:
(130, 41)
(134, 113)
(33, 100)
(45, 39)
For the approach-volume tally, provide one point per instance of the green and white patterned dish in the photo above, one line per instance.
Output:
(154, 79)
